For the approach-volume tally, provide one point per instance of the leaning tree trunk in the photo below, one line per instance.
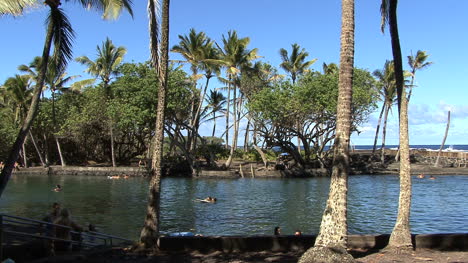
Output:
(25, 157)
(400, 239)
(62, 160)
(37, 149)
(436, 164)
(246, 136)
(32, 112)
(197, 116)
(331, 242)
(377, 130)
(150, 232)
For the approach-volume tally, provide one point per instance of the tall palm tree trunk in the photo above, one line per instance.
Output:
(150, 232)
(384, 133)
(197, 115)
(25, 157)
(377, 130)
(331, 242)
(227, 112)
(32, 112)
(235, 135)
(400, 239)
(246, 136)
(436, 164)
(214, 124)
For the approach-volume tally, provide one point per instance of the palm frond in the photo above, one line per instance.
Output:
(384, 12)
(15, 7)
(62, 38)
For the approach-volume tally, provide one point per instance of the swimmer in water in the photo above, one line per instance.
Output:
(57, 188)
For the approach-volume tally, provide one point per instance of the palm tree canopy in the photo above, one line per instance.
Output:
(234, 55)
(419, 61)
(295, 63)
(15, 7)
(105, 65)
(191, 48)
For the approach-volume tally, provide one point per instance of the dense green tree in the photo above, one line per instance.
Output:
(331, 242)
(60, 33)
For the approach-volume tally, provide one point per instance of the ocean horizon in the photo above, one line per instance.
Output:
(427, 147)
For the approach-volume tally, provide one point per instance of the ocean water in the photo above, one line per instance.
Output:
(453, 148)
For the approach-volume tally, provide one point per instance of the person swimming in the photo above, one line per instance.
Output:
(57, 188)
(432, 177)
(209, 199)
(421, 176)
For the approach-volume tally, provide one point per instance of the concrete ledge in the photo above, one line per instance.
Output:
(458, 242)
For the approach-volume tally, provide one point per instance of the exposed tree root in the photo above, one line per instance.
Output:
(326, 255)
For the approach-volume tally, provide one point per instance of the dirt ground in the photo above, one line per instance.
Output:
(118, 255)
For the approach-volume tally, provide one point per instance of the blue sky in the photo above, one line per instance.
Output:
(430, 25)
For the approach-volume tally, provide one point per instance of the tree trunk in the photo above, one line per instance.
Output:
(436, 164)
(227, 112)
(111, 128)
(150, 232)
(331, 242)
(62, 160)
(262, 154)
(246, 136)
(197, 115)
(400, 239)
(25, 157)
(41, 159)
(32, 112)
(384, 133)
(214, 124)
(377, 129)
(236, 131)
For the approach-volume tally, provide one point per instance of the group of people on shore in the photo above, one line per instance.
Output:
(57, 218)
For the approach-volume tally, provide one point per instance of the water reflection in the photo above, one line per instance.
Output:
(245, 206)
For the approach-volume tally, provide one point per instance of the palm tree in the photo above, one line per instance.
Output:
(150, 233)
(199, 51)
(216, 102)
(400, 239)
(331, 242)
(235, 57)
(55, 80)
(417, 63)
(386, 78)
(104, 67)
(60, 32)
(18, 94)
(295, 65)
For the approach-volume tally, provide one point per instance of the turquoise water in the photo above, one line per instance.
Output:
(244, 207)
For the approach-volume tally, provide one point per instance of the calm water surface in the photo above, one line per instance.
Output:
(244, 207)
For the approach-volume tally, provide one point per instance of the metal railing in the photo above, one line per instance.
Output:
(21, 230)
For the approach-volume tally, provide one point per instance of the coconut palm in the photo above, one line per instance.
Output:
(55, 80)
(295, 63)
(331, 242)
(417, 63)
(400, 239)
(216, 102)
(104, 68)
(198, 50)
(150, 233)
(235, 57)
(59, 33)
(386, 78)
